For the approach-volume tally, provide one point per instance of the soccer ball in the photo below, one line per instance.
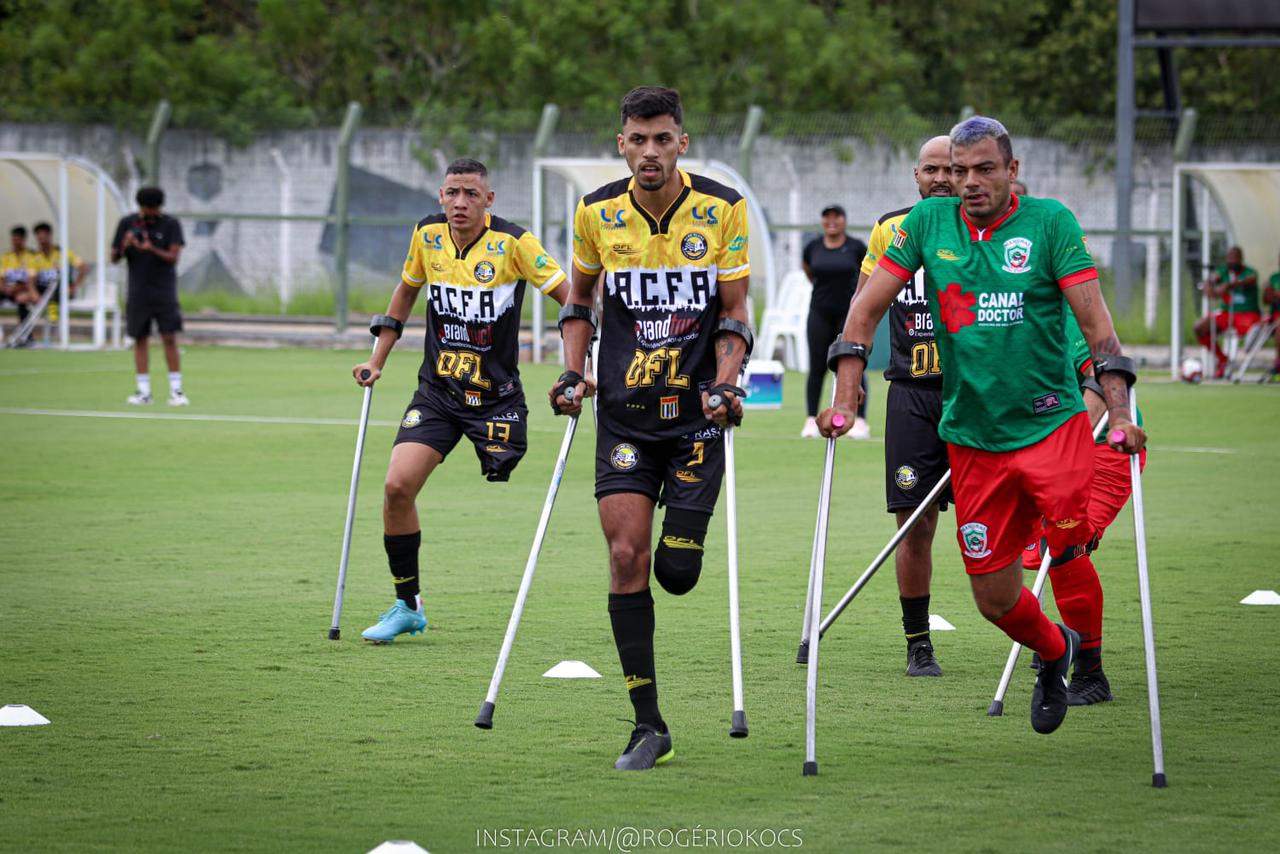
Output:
(1192, 370)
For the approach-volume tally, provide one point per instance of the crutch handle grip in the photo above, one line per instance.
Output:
(837, 420)
(1117, 437)
(365, 374)
(569, 394)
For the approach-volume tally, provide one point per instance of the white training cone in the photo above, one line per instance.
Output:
(572, 670)
(937, 624)
(1261, 597)
(399, 846)
(17, 714)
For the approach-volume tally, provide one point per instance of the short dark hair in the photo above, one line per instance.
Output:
(150, 197)
(467, 166)
(18, 231)
(43, 226)
(649, 102)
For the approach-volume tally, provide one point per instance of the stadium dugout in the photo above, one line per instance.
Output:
(584, 174)
(83, 203)
(1248, 197)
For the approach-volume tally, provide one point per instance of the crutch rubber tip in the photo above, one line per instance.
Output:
(802, 654)
(738, 729)
(484, 720)
(335, 634)
(811, 769)
(1159, 781)
(996, 709)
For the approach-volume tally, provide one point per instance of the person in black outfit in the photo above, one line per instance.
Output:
(831, 262)
(151, 242)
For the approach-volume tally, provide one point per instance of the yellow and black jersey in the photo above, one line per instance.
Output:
(474, 294)
(48, 268)
(661, 297)
(16, 268)
(913, 353)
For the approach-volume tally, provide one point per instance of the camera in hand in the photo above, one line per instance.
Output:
(138, 234)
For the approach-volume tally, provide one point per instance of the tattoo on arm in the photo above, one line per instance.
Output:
(1108, 346)
(726, 348)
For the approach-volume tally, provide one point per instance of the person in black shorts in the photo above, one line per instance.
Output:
(831, 262)
(473, 268)
(151, 242)
(915, 458)
(673, 247)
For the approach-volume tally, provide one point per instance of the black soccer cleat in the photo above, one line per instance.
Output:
(920, 659)
(647, 748)
(1088, 688)
(1035, 662)
(1049, 697)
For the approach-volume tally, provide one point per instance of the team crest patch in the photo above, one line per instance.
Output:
(473, 398)
(899, 236)
(694, 246)
(484, 272)
(669, 407)
(974, 536)
(906, 477)
(624, 457)
(412, 418)
(1017, 255)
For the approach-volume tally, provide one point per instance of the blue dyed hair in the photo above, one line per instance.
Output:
(977, 128)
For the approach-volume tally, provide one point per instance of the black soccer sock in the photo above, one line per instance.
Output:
(402, 557)
(1089, 660)
(915, 617)
(631, 615)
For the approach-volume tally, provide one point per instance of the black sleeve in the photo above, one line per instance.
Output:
(859, 252)
(121, 228)
(807, 255)
(175, 234)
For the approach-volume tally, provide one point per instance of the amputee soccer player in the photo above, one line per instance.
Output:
(915, 457)
(474, 267)
(1077, 590)
(1236, 285)
(673, 248)
(1002, 272)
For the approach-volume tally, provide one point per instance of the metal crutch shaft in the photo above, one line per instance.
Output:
(335, 630)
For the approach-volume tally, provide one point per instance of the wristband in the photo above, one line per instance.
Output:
(841, 348)
(1122, 365)
(573, 311)
(385, 321)
(737, 327)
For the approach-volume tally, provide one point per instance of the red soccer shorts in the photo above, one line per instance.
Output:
(1002, 496)
(1242, 321)
(1111, 491)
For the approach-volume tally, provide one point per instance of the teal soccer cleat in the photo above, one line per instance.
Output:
(397, 621)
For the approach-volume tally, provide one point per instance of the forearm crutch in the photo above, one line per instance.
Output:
(738, 722)
(335, 630)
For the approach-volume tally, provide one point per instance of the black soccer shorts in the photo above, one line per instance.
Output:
(915, 459)
(141, 314)
(684, 472)
(500, 433)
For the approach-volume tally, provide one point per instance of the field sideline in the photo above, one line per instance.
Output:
(167, 580)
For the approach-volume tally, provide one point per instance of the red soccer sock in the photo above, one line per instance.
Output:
(1078, 593)
(1028, 625)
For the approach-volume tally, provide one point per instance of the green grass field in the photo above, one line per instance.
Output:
(166, 587)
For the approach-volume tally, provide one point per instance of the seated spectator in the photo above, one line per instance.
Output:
(47, 262)
(1237, 287)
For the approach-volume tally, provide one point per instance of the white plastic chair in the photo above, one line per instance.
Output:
(785, 322)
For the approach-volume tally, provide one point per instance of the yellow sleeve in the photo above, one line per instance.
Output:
(586, 254)
(875, 248)
(733, 259)
(414, 273)
(73, 258)
(535, 265)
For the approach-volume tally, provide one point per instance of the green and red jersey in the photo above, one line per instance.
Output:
(1240, 298)
(996, 298)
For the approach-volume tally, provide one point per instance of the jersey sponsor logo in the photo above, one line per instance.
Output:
(672, 326)
(913, 292)
(472, 397)
(974, 536)
(1066, 524)
(612, 220)
(1017, 255)
(694, 246)
(457, 333)
(906, 477)
(499, 248)
(506, 389)
(737, 243)
(948, 255)
(686, 476)
(669, 408)
(433, 240)
(485, 272)
(540, 262)
(1000, 309)
(437, 267)
(412, 418)
(663, 289)
(709, 217)
(624, 457)
(509, 415)
(472, 305)
(1046, 403)
(625, 249)
(495, 449)
(955, 308)
(918, 324)
(707, 432)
